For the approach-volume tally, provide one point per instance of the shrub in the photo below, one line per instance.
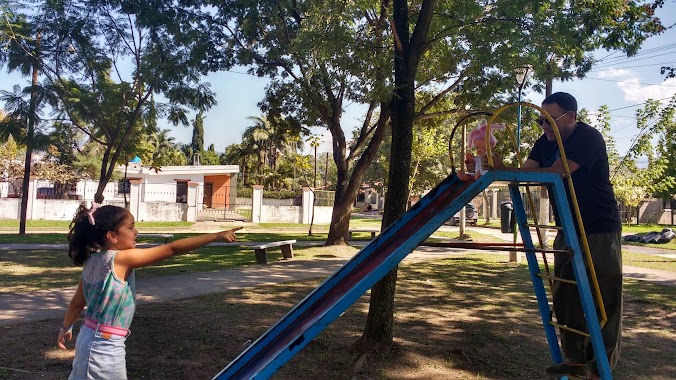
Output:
(247, 192)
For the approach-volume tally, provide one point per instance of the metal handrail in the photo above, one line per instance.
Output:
(567, 175)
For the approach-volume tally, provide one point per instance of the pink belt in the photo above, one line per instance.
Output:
(106, 329)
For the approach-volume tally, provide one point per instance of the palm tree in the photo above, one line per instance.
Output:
(165, 151)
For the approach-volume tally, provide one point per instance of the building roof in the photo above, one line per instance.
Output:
(174, 170)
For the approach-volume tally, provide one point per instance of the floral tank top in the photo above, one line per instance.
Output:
(110, 300)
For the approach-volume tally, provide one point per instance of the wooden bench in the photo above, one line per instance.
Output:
(166, 237)
(285, 245)
(372, 231)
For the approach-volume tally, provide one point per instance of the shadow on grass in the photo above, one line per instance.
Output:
(455, 318)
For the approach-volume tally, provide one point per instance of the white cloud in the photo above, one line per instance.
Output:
(638, 93)
(617, 74)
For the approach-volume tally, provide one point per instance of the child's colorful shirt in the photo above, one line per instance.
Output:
(110, 300)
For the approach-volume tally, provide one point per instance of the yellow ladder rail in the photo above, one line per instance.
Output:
(564, 327)
(553, 278)
(567, 175)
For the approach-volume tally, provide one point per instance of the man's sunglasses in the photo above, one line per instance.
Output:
(541, 120)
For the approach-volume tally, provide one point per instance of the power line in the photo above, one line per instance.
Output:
(608, 64)
(642, 52)
(624, 81)
(631, 67)
(639, 104)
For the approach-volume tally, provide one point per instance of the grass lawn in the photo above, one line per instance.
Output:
(62, 224)
(670, 245)
(648, 261)
(640, 228)
(29, 270)
(469, 317)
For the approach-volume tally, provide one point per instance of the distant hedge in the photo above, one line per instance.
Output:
(246, 192)
(282, 194)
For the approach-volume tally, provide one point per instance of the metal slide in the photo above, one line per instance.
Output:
(338, 292)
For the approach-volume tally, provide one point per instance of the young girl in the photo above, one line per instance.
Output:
(103, 240)
(477, 140)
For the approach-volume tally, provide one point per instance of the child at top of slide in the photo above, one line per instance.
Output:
(477, 140)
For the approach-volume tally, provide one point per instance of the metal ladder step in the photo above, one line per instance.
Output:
(579, 269)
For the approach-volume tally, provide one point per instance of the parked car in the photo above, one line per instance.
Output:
(50, 193)
(45, 193)
(471, 215)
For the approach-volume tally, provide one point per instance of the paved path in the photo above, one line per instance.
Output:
(49, 304)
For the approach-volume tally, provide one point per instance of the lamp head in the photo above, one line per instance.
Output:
(521, 73)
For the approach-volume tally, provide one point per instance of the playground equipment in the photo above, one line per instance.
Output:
(339, 291)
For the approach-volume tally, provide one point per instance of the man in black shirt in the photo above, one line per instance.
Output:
(587, 160)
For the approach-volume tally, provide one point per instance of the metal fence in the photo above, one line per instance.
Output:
(324, 198)
(222, 205)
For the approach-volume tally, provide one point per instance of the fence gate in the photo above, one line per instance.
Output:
(220, 205)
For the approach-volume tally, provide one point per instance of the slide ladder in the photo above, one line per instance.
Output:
(579, 252)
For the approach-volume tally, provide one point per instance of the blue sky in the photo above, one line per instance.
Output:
(621, 83)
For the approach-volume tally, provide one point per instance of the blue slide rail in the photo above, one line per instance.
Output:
(340, 290)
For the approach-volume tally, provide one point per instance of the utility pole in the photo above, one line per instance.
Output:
(314, 142)
(326, 171)
(549, 79)
(314, 183)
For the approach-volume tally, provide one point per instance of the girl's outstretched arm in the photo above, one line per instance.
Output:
(128, 259)
(77, 303)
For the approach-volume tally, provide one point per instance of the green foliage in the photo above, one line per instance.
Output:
(11, 161)
(267, 145)
(245, 192)
(164, 151)
(280, 194)
(657, 126)
(80, 48)
(209, 157)
(198, 134)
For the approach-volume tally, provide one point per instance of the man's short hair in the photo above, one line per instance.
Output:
(564, 100)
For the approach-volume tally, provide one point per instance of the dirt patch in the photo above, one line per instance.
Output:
(459, 318)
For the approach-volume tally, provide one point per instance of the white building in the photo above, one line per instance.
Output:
(169, 193)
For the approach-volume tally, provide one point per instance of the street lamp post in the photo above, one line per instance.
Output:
(521, 74)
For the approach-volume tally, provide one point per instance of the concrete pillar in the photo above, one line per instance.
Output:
(32, 193)
(232, 194)
(308, 203)
(257, 206)
(135, 198)
(192, 201)
(494, 209)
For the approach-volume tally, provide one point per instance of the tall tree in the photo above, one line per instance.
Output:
(197, 136)
(408, 50)
(483, 44)
(87, 48)
(318, 54)
(165, 151)
(322, 54)
(657, 126)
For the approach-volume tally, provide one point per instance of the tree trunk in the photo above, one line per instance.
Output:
(348, 184)
(29, 141)
(408, 50)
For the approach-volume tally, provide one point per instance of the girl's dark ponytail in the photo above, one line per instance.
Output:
(85, 238)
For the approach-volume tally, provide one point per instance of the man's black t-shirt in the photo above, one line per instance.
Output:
(595, 196)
